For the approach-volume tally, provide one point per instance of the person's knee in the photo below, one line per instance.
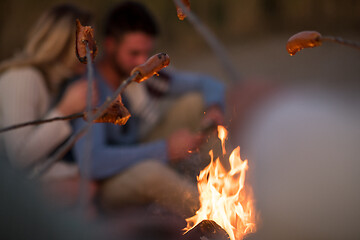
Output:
(187, 111)
(132, 185)
(152, 171)
(191, 102)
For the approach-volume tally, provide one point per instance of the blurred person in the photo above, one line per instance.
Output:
(132, 162)
(29, 84)
(303, 151)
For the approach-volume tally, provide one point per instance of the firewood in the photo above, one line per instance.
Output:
(206, 230)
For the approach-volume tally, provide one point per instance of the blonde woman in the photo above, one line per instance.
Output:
(30, 82)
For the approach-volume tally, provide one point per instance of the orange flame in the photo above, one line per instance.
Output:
(222, 135)
(224, 198)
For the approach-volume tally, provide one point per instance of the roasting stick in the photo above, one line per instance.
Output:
(139, 74)
(214, 43)
(83, 185)
(120, 119)
(310, 39)
(37, 122)
(342, 41)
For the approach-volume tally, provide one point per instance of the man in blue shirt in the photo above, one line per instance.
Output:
(130, 170)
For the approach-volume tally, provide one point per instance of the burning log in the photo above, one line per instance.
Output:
(206, 230)
(310, 39)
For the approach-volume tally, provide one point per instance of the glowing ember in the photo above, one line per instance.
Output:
(224, 197)
(301, 40)
(222, 135)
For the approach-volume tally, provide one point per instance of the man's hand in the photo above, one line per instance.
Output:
(213, 115)
(181, 142)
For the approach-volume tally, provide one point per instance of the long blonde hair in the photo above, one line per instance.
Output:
(51, 43)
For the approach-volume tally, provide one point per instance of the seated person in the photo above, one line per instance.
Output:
(29, 84)
(129, 169)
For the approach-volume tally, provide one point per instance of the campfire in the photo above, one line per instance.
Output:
(224, 197)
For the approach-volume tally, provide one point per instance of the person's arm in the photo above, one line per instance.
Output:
(108, 160)
(22, 92)
(213, 91)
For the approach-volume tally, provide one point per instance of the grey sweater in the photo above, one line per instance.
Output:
(24, 97)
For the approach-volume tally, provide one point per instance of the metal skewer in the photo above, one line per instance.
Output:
(85, 164)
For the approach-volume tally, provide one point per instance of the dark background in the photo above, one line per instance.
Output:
(233, 21)
(254, 32)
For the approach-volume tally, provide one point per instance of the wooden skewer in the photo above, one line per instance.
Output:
(37, 122)
(342, 41)
(120, 118)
